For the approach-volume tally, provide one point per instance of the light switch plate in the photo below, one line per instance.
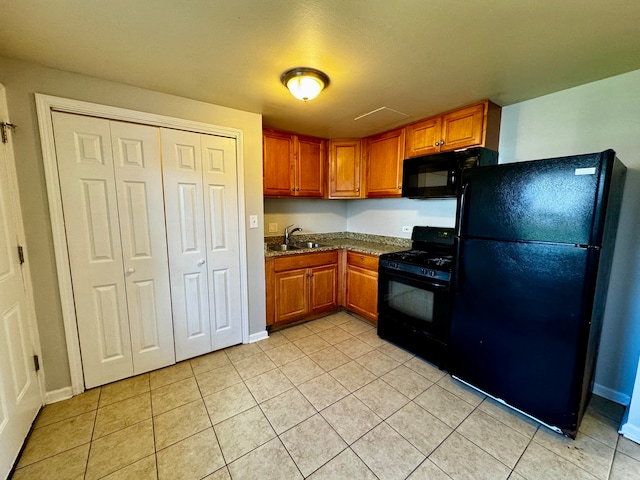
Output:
(253, 221)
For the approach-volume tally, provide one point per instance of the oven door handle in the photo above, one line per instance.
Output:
(385, 274)
(457, 271)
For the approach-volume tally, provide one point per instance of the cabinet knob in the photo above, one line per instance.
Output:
(358, 189)
(130, 271)
(399, 187)
(200, 263)
(437, 144)
(441, 142)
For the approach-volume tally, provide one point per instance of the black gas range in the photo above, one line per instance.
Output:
(415, 296)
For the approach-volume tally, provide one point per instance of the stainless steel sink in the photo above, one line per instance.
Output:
(309, 245)
(283, 247)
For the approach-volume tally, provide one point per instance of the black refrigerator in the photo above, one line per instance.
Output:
(535, 242)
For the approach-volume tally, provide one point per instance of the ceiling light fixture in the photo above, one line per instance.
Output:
(304, 83)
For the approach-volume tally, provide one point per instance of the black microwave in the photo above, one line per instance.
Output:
(438, 175)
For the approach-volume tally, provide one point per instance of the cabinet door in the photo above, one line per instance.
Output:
(423, 138)
(277, 163)
(87, 184)
(323, 293)
(345, 169)
(362, 292)
(463, 128)
(385, 154)
(362, 285)
(310, 167)
(292, 295)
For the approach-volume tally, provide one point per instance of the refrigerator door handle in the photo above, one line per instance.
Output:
(456, 279)
(463, 197)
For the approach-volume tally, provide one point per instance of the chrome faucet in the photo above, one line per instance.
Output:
(287, 233)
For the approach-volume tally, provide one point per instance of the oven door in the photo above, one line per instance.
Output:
(415, 303)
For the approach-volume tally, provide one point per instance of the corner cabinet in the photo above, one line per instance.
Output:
(362, 285)
(293, 165)
(301, 286)
(345, 169)
(384, 155)
(476, 125)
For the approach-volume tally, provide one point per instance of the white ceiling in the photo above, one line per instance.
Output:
(418, 57)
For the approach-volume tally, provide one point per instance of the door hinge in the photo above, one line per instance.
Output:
(20, 254)
(36, 362)
(3, 129)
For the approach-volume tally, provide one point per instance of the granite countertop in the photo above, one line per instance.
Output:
(357, 242)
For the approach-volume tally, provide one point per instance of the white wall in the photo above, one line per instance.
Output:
(387, 216)
(591, 118)
(312, 215)
(377, 217)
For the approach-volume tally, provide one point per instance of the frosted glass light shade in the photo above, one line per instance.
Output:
(304, 83)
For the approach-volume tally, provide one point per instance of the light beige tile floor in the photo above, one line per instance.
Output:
(324, 400)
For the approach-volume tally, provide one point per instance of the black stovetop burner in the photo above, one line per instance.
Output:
(431, 254)
(423, 258)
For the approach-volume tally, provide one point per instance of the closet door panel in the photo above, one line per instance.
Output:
(85, 166)
(223, 257)
(138, 174)
(186, 239)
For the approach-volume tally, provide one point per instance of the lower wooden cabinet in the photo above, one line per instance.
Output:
(305, 286)
(362, 285)
(301, 286)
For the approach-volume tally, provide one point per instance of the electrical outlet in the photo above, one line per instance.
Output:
(406, 229)
(273, 228)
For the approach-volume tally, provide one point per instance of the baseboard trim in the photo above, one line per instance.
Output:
(610, 394)
(256, 337)
(629, 430)
(58, 395)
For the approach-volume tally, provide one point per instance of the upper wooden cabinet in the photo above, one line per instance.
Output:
(477, 125)
(345, 169)
(293, 165)
(384, 155)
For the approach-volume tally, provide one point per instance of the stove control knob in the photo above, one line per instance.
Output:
(432, 273)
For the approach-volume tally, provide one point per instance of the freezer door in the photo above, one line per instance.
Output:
(520, 325)
(556, 200)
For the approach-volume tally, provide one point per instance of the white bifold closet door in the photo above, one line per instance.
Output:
(200, 181)
(111, 184)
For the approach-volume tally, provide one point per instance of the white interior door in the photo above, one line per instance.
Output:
(200, 177)
(20, 397)
(219, 170)
(186, 238)
(138, 174)
(111, 186)
(88, 187)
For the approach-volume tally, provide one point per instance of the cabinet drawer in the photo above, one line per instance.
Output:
(362, 260)
(305, 260)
